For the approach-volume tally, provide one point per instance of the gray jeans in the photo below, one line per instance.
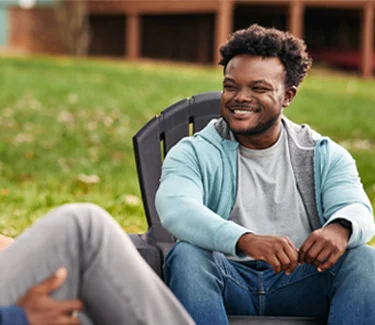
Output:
(105, 270)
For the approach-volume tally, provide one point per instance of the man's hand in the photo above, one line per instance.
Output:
(5, 242)
(43, 310)
(324, 246)
(278, 251)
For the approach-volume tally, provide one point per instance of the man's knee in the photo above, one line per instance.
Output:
(77, 216)
(359, 262)
(80, 211)
(354, 280)
(363, 255)
(187, 254)
(189, 261)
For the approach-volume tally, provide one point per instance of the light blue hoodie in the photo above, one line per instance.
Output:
(199, 184)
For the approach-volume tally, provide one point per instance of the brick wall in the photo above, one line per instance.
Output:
(35, 30)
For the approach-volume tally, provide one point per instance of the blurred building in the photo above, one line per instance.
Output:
(340, 32)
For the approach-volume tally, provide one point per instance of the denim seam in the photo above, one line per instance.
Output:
(239, 284)
(294, 282)
(226, 274)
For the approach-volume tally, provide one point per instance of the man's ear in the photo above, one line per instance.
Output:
(290, 93)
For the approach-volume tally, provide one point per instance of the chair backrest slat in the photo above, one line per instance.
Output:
(203, 108)
(148, 159)
(167, 129)
(176, 123)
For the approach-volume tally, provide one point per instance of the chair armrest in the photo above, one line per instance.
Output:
(150, 253)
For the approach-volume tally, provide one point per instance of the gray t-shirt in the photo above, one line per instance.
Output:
(268, 201)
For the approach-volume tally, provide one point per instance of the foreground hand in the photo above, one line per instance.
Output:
(5, 242)
(43, 310)
(278, 251)
(324, 246)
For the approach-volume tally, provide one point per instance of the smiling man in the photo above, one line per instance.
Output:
(271, 217)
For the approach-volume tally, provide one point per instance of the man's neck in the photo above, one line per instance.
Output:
(261, 141)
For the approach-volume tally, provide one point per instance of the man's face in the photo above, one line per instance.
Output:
(254, 94)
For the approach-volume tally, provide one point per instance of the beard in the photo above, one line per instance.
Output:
(256, 130)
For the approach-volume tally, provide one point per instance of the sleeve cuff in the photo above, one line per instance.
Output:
(13, 315)
(227, 237)
(362, 219)
(355, 231)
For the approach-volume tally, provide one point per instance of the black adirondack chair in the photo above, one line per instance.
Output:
(151, 144)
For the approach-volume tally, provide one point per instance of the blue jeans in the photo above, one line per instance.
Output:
(211, 287)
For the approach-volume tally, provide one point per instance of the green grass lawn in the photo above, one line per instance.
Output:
(66, 128)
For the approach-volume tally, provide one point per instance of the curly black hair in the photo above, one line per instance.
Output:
(270, 42)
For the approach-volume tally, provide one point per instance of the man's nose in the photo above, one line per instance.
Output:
(244, 95)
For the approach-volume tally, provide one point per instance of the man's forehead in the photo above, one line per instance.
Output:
(257, 67)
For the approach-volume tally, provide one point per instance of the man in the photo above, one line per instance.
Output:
(271, 217)
(88, 273)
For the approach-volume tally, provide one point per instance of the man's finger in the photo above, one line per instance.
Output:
(291, 267)
(313, 252)
(67, 320)
(304, 249)
(284, 260)
(329, 263)
(68, 306)
(292, 254)
(53, 282)
(275, 263)
(293, 264)
(322, 257)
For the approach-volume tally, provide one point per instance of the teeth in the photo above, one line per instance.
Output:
(241, 112)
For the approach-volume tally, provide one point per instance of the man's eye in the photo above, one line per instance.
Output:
(229, 87)
(260, 89)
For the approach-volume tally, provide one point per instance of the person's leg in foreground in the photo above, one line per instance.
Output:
(104, 269)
